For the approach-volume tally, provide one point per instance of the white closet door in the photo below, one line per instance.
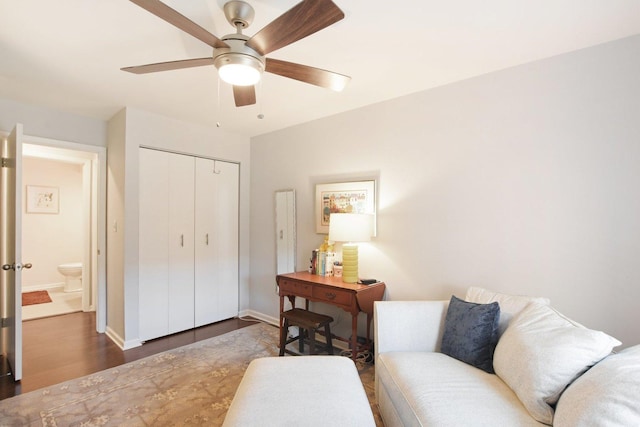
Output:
(206, 251)
(216, 241)
(154, 244)
(181, 231)
(227, 237)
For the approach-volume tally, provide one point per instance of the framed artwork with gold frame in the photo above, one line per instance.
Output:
(343, 197)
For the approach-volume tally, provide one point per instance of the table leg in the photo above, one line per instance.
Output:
(354, 336)
(281, 319)
(292, 301)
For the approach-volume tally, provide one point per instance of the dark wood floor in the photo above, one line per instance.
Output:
(61, 348)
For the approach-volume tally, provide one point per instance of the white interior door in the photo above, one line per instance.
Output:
(227, 224)
(216, 249)
(206, 251)
(154, 244)
(11, 250)
(181, 231)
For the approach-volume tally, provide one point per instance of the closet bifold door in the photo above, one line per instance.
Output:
(166, 254)
(153, 244)
(181, 240)
(216, 240)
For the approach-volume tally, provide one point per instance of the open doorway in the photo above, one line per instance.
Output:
(63, 237)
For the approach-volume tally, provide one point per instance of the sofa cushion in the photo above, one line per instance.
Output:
(471, 332)
(510, 305)
(605, 395)
(541, 352)
(433, 389)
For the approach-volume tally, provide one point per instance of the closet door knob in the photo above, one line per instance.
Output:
(182, 240)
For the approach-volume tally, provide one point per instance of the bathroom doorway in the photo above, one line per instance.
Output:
(63, 228)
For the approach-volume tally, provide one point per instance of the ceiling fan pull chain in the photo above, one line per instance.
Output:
(260, 114)
(218, 104)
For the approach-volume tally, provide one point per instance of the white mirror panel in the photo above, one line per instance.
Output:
(285, 201)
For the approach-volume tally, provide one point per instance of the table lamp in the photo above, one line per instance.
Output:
(350, 228)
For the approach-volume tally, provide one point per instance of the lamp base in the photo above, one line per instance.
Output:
(350, 263)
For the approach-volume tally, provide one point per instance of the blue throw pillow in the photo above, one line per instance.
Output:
(471, 332)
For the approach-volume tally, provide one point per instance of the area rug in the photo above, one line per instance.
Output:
(190, 385)
(35, 297)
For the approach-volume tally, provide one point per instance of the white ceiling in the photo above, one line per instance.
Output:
(67, 54)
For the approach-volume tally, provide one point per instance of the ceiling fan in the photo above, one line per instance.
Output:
(240, 59)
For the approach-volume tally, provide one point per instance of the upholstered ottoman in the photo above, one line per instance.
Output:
(300, 391)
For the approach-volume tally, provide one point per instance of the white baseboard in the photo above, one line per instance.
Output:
(117, 339)
(275, 321)
(47, 286)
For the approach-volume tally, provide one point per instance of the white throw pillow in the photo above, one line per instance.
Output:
(541, 352)
(606, 395)
(510, 305)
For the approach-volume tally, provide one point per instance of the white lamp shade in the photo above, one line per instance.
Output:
(239, 74)
(350, 227)
(238, 69)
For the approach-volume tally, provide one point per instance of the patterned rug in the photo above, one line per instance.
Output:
(35, 297)
(190, 385)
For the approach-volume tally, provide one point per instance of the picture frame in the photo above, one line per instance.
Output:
(344, 197)
(42, 199)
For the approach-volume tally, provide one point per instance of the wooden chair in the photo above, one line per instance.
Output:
(309, 322)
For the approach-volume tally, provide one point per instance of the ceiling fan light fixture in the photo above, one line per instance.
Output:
(240, 59)
(239, 69)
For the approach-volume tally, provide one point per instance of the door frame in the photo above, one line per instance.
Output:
(99, 229)
(11, 251)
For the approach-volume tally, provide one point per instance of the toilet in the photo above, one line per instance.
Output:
(72, 273)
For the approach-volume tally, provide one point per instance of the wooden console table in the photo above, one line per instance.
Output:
(351, 297)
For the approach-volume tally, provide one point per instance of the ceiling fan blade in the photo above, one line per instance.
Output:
(305, 18)
(306, 74)
(173, 17)
(167, 66)
(244, 95)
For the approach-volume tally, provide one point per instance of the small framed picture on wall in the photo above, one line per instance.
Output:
(343, 197)
(42, 199)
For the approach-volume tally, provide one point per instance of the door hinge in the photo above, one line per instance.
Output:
(4, 322)
(7, 162)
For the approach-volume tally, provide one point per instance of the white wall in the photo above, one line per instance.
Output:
(522, 181)
(51, 239)
(116, 255)
(52, 124)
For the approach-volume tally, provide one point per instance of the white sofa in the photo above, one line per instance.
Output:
(541, 363)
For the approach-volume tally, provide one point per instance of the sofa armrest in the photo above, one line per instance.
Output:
(409, 325)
